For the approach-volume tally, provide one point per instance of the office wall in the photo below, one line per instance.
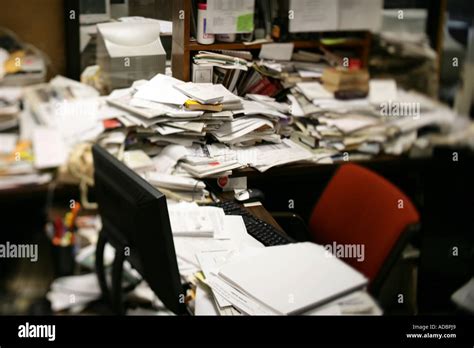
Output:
(39, 22)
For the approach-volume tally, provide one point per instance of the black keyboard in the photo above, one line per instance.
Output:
(259, 229)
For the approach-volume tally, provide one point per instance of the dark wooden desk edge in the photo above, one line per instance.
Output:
(258, 211)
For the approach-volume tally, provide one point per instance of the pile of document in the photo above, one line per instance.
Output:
(168, 111)
(261, 157)
(236, 274)
(71, 108)
(388, 120)
(9, 107)
(170, 125)
(191, 220)
(261, 281)
(17, 165)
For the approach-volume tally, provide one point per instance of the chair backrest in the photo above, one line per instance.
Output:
(360, 209)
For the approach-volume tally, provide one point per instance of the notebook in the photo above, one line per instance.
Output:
(293, 278)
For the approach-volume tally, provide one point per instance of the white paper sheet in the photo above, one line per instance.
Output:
(160, 89)
(360, 14)
(277, 51)
(230, 16)
(313, 15)
(48, 147)
(8, 143)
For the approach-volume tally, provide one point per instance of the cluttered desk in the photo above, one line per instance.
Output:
(173, 135)
(218, 249)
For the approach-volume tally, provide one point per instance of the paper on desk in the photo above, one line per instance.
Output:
(264, 157)
(382, 91)
(344, 106)
(204, 304)
(114, 137)
(269, 102)
(257, 108)
(230, 132)
(277, 51)
(138, 160)
(175, 182)
(160, 89)
(357, 303)
(191, 222)
(350, 123)
(8, 143)
(309, 73)
(237, 298)
(11, 94)
(188, 247)
(168, 158)
(314, 91)
(241, 243)
(400, 144)
(10, 181)
(204, 93)
(295, 109)
(48, 147)
(235, 238)
(167, 130)
(188, 219)
(194, 126)
(210, 261)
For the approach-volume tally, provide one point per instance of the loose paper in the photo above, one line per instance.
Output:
(313, 15)
(230, 16)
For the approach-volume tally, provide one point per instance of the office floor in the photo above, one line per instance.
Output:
(26, 283)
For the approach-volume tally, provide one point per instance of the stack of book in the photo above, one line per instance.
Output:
(335, 80)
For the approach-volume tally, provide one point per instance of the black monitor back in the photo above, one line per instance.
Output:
(135, 220)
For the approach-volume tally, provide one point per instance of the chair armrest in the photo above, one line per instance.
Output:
(293, 225)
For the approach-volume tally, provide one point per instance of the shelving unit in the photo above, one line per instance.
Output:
(184, 47)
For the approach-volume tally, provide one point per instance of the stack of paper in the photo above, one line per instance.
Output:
(9, 107)
(387, 121)
(17, 166)
(219, 60)
(285, 280)
(188, 219)
(168, 111)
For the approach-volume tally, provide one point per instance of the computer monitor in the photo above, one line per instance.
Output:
(94, 11)
(129, 51)
(135, 220)
(119, 8)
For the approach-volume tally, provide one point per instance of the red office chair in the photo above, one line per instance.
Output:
(360, 207)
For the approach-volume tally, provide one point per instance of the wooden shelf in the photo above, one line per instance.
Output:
(195, 46)
(183, 48)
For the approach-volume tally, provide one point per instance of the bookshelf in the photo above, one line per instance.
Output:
(184, 47)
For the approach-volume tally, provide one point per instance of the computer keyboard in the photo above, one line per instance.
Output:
(259, 229)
